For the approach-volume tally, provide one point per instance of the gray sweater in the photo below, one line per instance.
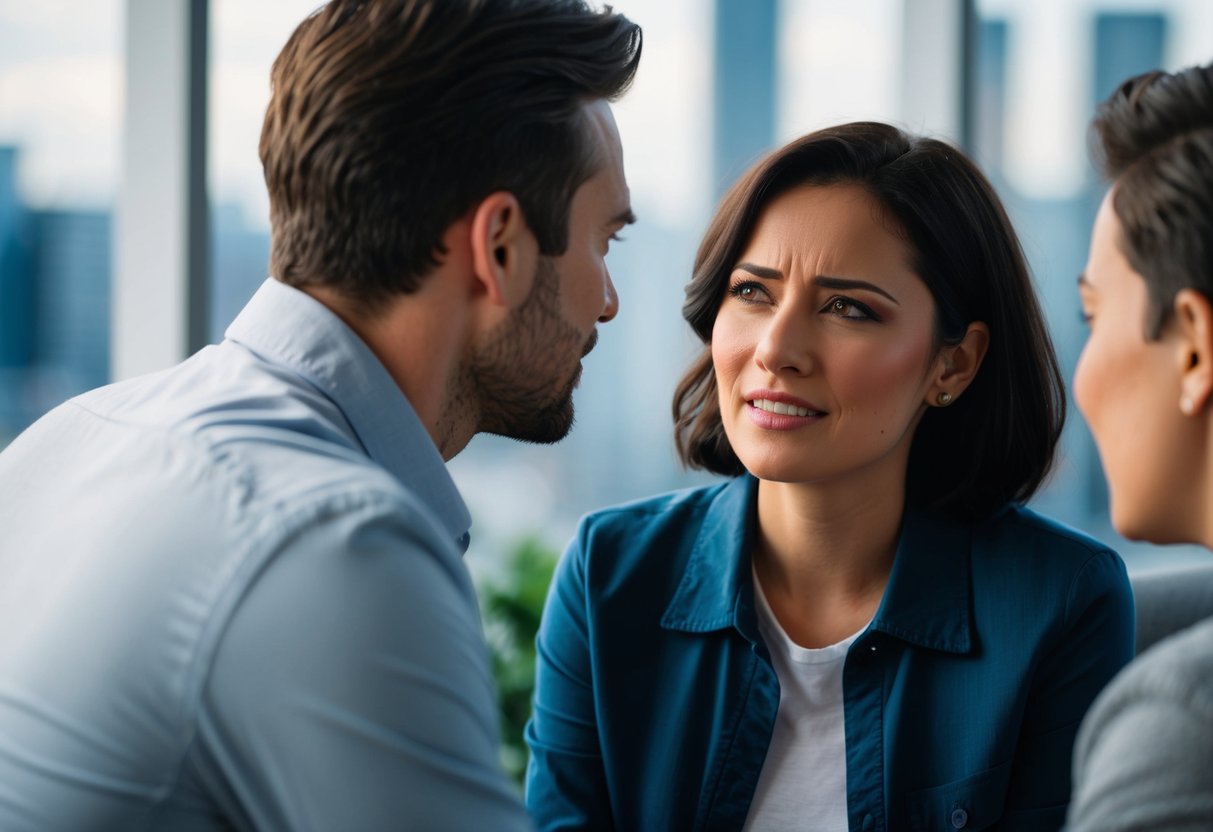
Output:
(1144, 756)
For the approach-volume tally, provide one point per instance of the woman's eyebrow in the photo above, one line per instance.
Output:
(761, 271)
(848, 283)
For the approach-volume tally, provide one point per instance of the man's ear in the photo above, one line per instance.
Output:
(504, 251)
(958, 365)
(1193, 323)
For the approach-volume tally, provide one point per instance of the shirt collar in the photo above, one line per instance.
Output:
(926, 601)
(710, 595)
(291, 329)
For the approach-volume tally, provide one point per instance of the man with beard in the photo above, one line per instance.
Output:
(232, 592)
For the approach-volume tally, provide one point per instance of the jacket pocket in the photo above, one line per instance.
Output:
(976, 802)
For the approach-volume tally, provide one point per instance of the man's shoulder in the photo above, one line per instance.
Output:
(223, 444)
(261, 430)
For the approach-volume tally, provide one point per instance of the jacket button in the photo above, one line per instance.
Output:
(959, 818)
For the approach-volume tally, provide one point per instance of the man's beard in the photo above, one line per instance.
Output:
(523, 377)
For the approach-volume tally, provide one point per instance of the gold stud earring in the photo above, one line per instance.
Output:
(944, 399)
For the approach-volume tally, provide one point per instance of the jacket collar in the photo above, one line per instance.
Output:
(710, 594)
(926, 602)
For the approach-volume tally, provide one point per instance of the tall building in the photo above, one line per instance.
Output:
(16, 284)
(54, 303)
(71, 268)
(16, 300)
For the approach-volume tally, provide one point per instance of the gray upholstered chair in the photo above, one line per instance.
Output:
(1170, 600)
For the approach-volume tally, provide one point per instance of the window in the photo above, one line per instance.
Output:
(60, 87)
(245, 39)
(1041, 68)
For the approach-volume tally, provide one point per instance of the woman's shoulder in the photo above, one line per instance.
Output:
(659, 533)
(1020, 531)
(670, 508)
(1044, 558)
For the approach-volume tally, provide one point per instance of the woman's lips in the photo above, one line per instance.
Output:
(779, 411)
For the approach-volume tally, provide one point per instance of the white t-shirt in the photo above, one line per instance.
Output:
(803, 784)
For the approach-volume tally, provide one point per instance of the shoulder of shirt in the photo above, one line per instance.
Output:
(293, 488)
(670, 507)
(279, 469)
(1019, 550)
(652, 536)
(1018, 531)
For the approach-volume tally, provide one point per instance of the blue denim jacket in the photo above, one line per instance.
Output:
(655, 696)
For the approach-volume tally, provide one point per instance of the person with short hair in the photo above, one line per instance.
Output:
(862, 627)
(233, 594)
(1144, 383)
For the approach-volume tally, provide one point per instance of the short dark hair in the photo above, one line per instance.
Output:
(993, 445)
(1155, 142)
(390, 119)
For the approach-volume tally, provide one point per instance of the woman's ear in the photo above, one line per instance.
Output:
(1193, 327)
(504, 251)
(957, 365)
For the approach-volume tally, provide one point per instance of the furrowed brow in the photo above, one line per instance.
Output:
(761, 271)
(849, 283)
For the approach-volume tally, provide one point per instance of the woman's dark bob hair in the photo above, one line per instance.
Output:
(995, 444)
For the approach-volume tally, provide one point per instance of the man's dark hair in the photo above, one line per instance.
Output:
(993, 445)
(1155, 143)
(390, 119)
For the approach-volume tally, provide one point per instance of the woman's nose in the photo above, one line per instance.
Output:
(785, 346)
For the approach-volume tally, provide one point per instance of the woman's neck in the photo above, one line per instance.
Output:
(823, 555)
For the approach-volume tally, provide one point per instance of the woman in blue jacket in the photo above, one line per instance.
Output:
(862, 628)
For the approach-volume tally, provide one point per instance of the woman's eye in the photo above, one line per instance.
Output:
(748, 292)
(847, 308)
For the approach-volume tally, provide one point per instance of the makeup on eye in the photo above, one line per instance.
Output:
(823, 281)
(749, 291)
(842, 306)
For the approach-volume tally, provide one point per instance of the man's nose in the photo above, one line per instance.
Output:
(611, 307)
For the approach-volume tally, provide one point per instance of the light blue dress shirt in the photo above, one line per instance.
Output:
(232, 596)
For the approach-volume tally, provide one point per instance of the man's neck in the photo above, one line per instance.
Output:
(422, 340)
